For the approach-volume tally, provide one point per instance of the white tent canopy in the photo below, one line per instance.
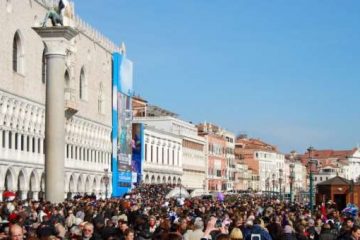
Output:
(197, 192)
(178, 192)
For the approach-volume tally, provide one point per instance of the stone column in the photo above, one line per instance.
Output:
(1, 138)
(35, 195)
(56, 40)
(24, 194)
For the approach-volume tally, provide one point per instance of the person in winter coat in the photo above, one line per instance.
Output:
(326, 233)
(258, 230)
(275, 228)
(288, 233)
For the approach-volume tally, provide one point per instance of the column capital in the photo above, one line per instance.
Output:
(56, 39)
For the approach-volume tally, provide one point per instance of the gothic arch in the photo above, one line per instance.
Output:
(83, 84)
(152, 179)
(80, 184)
(21, 181)
(72, 186)
(10, 181)
(88, 188)
(34, 183)
(18, 57)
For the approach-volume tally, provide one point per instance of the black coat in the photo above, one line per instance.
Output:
(327, 235)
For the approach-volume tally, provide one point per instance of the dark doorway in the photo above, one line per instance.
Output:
(340, 200)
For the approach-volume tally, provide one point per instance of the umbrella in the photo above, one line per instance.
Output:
(9, 196)
(178, 193)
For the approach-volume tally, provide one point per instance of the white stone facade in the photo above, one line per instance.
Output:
(230, 158)
(270, 163)
(193, 148)
(22, 103)
(352, 170)
(300, 180)
(163, 157)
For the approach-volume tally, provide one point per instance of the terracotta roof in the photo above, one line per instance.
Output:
(335, 181)
(328, 155)
(252, 143)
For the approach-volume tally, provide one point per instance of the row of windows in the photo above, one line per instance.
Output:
(217, 172)
(155, 157)
(85, 154)
(216, 149)
(193, 145)
(320, 178)
(21, 142)
(26, 143)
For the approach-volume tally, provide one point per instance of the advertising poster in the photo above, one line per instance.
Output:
(121, 125)
(124, 149)
(137, 151)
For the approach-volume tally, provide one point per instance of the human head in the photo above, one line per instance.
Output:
(88, 230)
(75, 232)
(16, 232)
(129, 234)
(236, 234)
(349, 222)
(355, 232)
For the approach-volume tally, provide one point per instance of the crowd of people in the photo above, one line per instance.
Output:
(146, 214)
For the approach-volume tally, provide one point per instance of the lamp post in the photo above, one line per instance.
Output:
(280, 181)
(267, 185)
(291, 179)
(106, 182)
(311, 166)
(273, 183)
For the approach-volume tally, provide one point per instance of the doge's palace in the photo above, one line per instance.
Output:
(87, 110)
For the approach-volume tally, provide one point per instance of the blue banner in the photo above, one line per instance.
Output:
(122, 125)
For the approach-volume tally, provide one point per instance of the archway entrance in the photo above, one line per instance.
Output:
(20, 185)
(32, 186)
(9, 181)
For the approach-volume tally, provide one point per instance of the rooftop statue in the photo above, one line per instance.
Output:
(56, 14)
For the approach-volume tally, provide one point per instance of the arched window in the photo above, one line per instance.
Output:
(18, 54)
(43, 67)
(67, 85)
(83, 85)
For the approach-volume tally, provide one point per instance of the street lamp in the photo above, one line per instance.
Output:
(280, 181)
(106, 182)
(311, 167)
(267, 185)
(273, 183)
(291, 178)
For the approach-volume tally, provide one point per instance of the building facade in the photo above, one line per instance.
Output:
(193, 146)
(230, 158)
(22, 102)
(163, 157)
(265, 161)
(217, 163)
